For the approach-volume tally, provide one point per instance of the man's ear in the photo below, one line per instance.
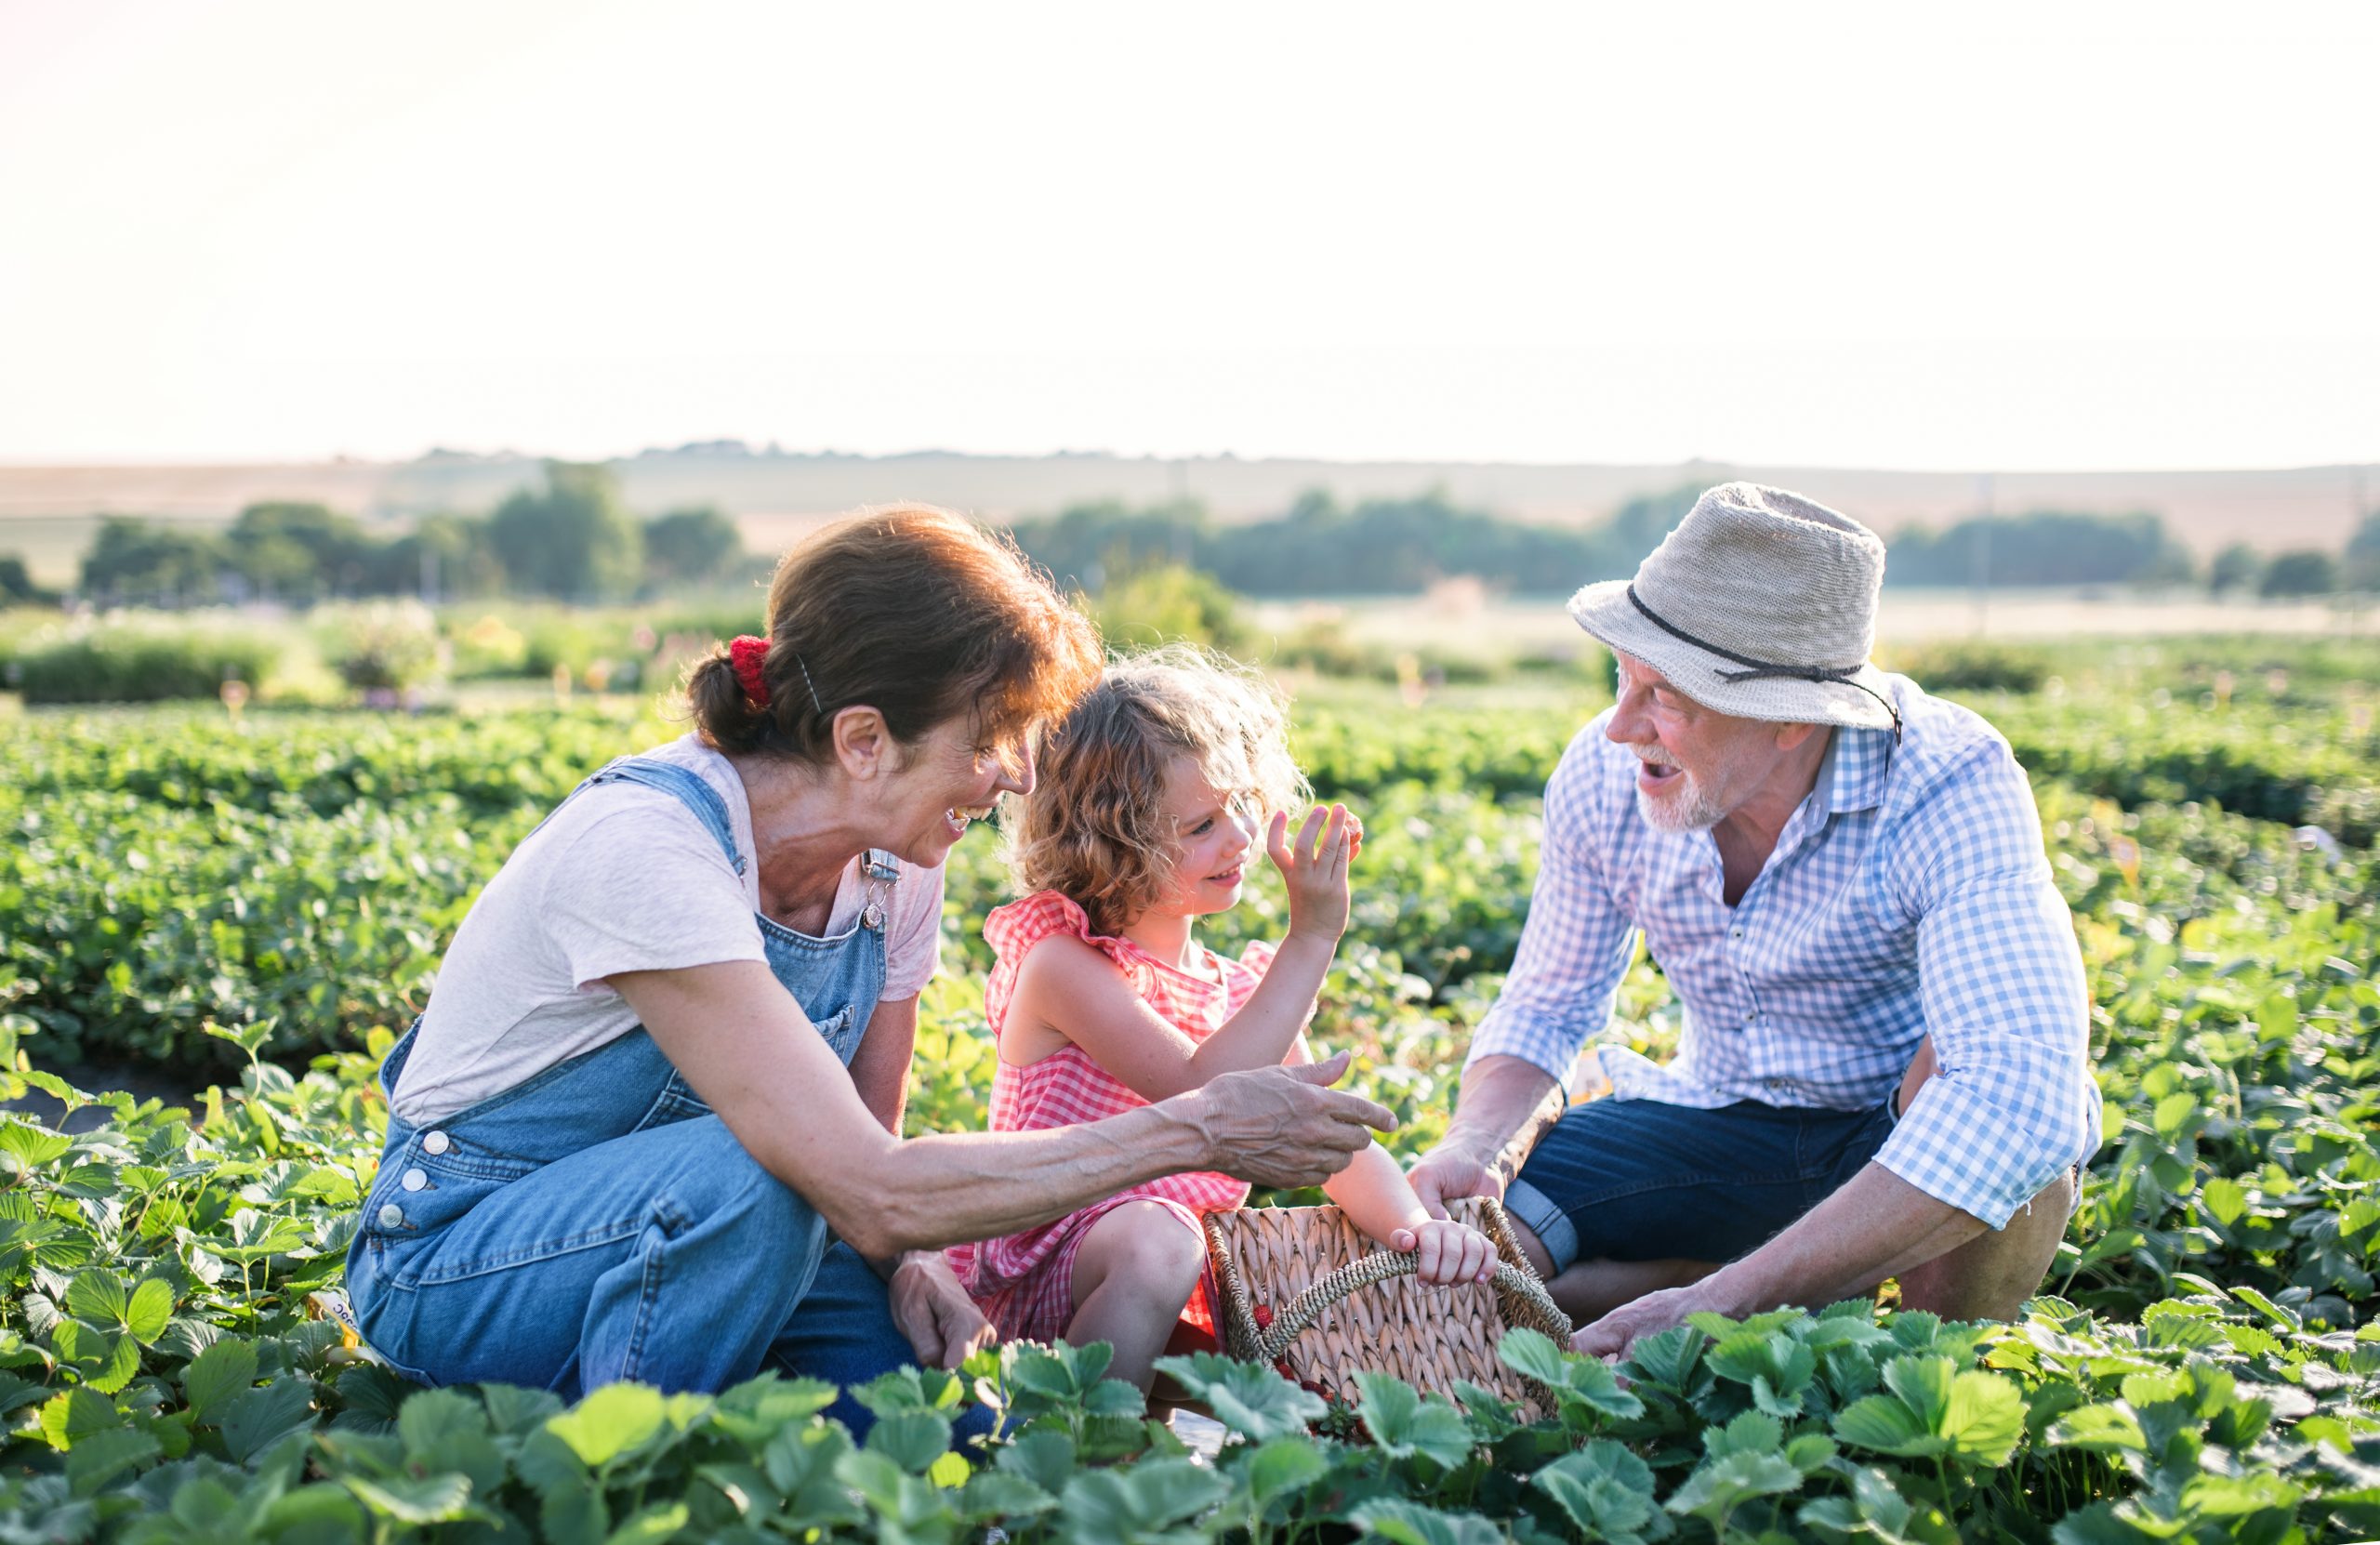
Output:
(864, 745)
(1791, 736)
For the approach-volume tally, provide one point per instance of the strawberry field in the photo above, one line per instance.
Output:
(255, 904)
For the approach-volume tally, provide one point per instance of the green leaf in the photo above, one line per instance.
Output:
(1045, 1457)
(1532, 1354)
(1403, 1424)
(1410, 1523)
(1255, 1401)
(430, 1500)
(218, 1373)
(753, 1411)
(98, 1296)
(610, 1422)
(75, 1414)
(1923, 1385)
(998, 1494)
(2287, 1319)
(29, 1147)
(1986, 1417)
(1106, 1507)
(1669, 1359)
(1606, 1491)
(100, 1457)
(1719, 1485)
(148, 1311)
(1578, 1382)
(1751, 1432)
(650, 1524)
(2107, 1428)
(106, 1359)
(2225, 1200)
(913, 1440)
(1882, 1424)
(1281, 1468)
(255, 1420)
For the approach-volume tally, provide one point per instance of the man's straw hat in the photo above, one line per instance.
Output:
(1761, 605)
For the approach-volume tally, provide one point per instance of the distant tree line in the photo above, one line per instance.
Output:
(1395, 546)
(575, 539)
(1320, 547)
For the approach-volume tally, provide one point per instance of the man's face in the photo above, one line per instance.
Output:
(1698, 765)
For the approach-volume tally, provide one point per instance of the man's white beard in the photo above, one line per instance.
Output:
(1685, 808)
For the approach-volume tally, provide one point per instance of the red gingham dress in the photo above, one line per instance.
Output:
(1025, 1282)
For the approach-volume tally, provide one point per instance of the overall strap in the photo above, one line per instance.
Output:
(690, 790)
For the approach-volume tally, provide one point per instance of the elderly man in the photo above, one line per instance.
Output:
(1884, 1070)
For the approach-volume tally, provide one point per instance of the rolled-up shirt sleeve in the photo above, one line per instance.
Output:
(2013, 1102)
(1575, 945)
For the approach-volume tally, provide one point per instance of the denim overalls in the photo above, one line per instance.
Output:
(596, 1223)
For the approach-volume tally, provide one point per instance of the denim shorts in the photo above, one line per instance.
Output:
(1638, 1180)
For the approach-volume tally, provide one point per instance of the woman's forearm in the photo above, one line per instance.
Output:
(929, 1192)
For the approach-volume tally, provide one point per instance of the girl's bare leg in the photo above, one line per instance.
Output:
(1133, 1275)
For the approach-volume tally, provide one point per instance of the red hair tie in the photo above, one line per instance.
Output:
(747, 654)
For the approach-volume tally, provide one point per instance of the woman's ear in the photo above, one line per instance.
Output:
(864, 745)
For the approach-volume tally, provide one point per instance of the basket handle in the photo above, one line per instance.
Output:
(1304, 1309)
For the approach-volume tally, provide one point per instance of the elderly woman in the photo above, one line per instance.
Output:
(648, 1125)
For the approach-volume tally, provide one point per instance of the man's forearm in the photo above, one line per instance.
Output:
(1505, 1104)
(1877, 1225)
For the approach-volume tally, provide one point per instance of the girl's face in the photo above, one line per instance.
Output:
(1213, 834)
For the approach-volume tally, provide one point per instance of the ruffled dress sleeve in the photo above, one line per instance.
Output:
(1014, 929)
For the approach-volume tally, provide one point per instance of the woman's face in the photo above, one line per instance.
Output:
(951, 779)
(1212, 832)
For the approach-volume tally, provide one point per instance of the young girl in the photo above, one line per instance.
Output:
(1150, 795)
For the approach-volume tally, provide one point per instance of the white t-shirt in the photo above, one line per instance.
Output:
(624, 878)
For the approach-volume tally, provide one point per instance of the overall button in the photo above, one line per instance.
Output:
(436, 1143)
(391, 1215)
(413, 1179)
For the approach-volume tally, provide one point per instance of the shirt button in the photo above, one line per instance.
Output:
(436, 1143)
(391, 1215)
(1751, 1015)
(1735, 934)
(413, 1179)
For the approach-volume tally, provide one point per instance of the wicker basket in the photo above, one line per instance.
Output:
(1303, 1289)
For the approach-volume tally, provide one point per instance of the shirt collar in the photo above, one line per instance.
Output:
(1852, 777)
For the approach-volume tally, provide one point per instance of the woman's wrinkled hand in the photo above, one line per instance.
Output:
(1284, 1126)
(943, 1325)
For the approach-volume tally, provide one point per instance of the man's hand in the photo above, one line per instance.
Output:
(1610, 1337)
(1447, 1174)
(1282, 1127)
(942, 1323)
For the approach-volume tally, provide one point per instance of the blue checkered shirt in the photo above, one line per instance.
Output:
(1908, 895)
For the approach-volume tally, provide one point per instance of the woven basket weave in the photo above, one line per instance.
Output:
(1305, 1289)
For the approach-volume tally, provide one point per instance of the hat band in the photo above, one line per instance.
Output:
(1765, 669)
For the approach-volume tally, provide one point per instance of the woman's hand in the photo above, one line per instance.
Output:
(1450, 1252)
(1315, 869)
(942, 1323)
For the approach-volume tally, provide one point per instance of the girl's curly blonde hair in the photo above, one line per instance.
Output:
(1094, 828)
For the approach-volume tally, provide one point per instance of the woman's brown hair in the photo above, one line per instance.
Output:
(915, 612)
(1094, 827)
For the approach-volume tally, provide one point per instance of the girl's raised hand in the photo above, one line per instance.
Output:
(1314, 867)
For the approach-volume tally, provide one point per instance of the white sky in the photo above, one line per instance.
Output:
(2004, 235)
